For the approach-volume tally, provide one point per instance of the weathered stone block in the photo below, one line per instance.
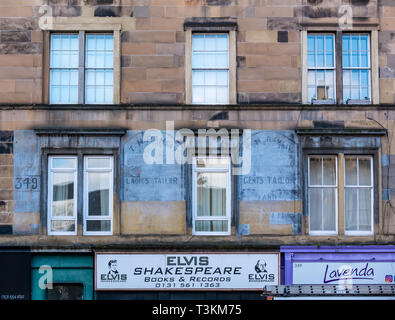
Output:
(141, 12)
(153, 217)
(15, 36)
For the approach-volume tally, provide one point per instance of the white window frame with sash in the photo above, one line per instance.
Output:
(322, 187)
(328, 66)
(51, 217)
(102, 218)
(359, 187)
(85, 70)
(340, 84)
(227, 217)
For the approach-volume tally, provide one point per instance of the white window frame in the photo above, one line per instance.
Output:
(336, 187)
(374, 54)
(69, 69)
(110, 217)
(195, 171)
(212, 69)
(360, 233)
(82, 52)
(86, 68)
(369, 68)
(333, 69)
(50, 218)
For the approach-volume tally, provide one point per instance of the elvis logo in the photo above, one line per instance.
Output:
(261, 275)
(113, 275)
(260, 267)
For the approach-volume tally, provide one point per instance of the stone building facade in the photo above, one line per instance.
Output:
(287, 120)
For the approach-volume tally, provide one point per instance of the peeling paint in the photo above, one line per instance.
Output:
(274, 162)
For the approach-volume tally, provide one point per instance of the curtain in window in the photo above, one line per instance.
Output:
(98, 194)
(63, 194)
(322, 193)
(211, 201)
(358, 194)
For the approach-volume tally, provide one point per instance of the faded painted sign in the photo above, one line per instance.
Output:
(143, 181)
(274, 168)
(26, 171)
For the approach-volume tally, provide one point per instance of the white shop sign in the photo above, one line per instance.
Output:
(347, 272)
(186, 271)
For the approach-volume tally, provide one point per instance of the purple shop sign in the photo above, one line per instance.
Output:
(339, 265)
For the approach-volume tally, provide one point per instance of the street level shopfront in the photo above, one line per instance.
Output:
(62, 276)
(179, 275)
(15, 274)
(340, 265)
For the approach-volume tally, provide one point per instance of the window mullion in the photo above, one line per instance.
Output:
(339, 66)
(81, 67)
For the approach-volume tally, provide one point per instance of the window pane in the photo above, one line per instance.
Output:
(63, 194)
(315, 209)
(99, 163)
(365, 209)
(198, 94)
(211, 194)
(210, 94)
(315, 171)
(364, 172)
(222, 95)
(63, 83)
(90, 94)
(55, 94)
(329, 208)
(108, 94)
(63, 163)
(99, 74)
(364, 77)
(210, 61)
(221, 60)
(311, 60)
(198, 60)
(210, 53)
(351, 171)
(65, 291)
(62, 226)
(98, 225)
(211, 225)
(222, 42)
(311, 93)
(311, 43)
(329, 166)
(210, 78)
(350, 209)
(320, 59)
(98, 193)
(108, 77)
(210, 42)
(64, 51)
(365, 42)
(217, 162)
(320, 51)
(319, 43)
(198, 77)
(198, 42)
(346, 59)
(222, 78)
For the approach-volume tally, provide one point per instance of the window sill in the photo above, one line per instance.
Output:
(326, 101)
(354, 101)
